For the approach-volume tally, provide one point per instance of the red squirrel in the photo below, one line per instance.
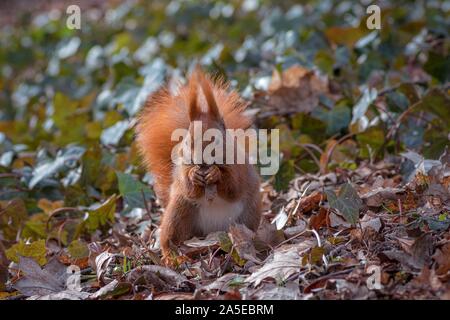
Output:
(198, 198)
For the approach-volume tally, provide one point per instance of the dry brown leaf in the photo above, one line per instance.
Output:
(297, 89)
(175, 296)
(211, 239)
(242, 239)
(344, 35)
(271, 291)
(419, 253)
(112, 289)
(225, 283)
(311, 202)
(371, 223)
(50, 283)
(159, 277)
(285, 261)
(3, 267)
(442, 257)
(268, 235)
(319, 220)
(378, 196)
(422, 249)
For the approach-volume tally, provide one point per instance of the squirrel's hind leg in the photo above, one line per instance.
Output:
(177, 224)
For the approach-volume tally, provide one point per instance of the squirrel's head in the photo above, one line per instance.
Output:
(206, 124)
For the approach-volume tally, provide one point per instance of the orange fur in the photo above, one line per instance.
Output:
(163, 113)
(198, 198)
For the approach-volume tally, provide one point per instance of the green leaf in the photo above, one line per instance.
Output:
(284, 175)
(360, 108)
(78, 249)
(35, 250)
(397, 101)
(66, 158)
(13, 216)
(336, 119)
(225, 241)
(370, 141)
(438, 103)
(133, 191)
(348, 203)
(438, 66)
(102, 215)
(113, 134)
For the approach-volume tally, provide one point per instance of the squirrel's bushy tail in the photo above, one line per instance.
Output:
(165, 112)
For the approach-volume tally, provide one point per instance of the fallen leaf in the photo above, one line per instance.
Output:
(422, 249)
(351, 290)
(296, 89)
(267, 235)
(285, 262)
(271, 291)
(344, 35)
(102, 262)
(13, 215)
(348, 203)
(378, 196)
(35, 250)
(300, 227)
(160, 277)
(337, 221)
(402, 257)
(175, 296)
(442, 258)
(427, 279)
(63, 295)
(3, 267)
(112, 289)
(371, 223)
(41, 282)
(226, 282)
(49, 206)
(280, 219)
(310, 202)
(319, 220)
(210, 240)
(242, 239)
(420, 253)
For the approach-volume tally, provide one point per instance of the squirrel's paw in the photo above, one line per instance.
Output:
(213, 175)
(196, 176)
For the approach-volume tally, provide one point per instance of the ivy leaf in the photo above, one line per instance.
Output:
(35, 250)
(13, 216)
(113, 134)
(65, 158)
(101, 215)
(438, 66)
(347, 202)
(360, 108)
(134, 192)
(78, 249)
(284, 175)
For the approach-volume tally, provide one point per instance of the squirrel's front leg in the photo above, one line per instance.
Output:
(177, 224)
(193, 182)
(212, 175)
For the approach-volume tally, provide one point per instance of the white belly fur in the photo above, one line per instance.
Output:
(217, 215)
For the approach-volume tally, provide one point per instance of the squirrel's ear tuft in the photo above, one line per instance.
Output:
(193, 107)
(209, 95)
